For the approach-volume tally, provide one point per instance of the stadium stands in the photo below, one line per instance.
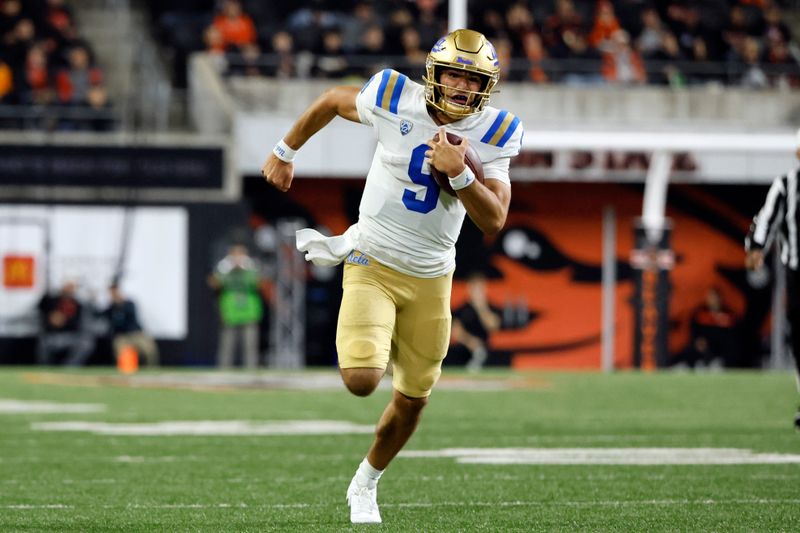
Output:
(48, 76)
(674, 43)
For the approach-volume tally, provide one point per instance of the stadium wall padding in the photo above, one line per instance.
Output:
(547, 261)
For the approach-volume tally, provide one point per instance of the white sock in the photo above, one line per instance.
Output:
(367, 475)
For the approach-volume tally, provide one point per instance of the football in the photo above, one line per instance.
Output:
(471, 159)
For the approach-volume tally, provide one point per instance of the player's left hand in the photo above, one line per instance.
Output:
(446, 157)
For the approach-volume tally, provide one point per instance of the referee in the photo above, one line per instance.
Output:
(778, 219)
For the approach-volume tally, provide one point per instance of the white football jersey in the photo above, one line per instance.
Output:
(405, 221)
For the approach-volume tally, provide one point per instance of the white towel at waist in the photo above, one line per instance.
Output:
(326, 251)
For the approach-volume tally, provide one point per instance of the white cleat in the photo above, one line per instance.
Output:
(363, 503)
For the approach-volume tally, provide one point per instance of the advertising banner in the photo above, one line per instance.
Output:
(43, 247)
(111, 166)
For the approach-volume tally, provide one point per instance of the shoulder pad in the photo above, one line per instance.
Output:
(501, 130)
(390, 87)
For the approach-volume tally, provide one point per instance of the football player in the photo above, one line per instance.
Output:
(400, 255)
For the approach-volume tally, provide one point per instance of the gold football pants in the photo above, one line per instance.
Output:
(386, 314)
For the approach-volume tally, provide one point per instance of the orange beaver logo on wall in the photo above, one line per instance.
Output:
(549, 256)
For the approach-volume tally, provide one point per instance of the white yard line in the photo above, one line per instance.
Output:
(26, 506)
(517, 503)
(159, 459)
(234, 428)
(89, 481)
(11, 406)
(605, 456)
(600, 503)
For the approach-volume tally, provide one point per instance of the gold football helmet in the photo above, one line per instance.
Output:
(461, 50)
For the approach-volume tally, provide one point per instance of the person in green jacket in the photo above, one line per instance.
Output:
(237, 280)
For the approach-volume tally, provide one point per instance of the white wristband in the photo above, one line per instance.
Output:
(462, 180)
(283, 152)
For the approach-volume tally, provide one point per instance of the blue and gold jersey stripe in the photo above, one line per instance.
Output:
(501, 130)
(389, 90)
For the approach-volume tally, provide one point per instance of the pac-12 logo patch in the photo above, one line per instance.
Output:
(357, 258)
(405, 127)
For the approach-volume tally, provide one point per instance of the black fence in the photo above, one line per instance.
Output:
(674, 73)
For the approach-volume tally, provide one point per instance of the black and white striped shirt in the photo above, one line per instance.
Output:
(778, 218)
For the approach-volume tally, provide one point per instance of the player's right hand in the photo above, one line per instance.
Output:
(278, 173)
(445, 156)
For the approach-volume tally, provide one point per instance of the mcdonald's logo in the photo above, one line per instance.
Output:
(18, 272)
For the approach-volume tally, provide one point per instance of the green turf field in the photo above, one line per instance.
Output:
(113, 479)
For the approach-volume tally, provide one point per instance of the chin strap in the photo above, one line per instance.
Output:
(467, 110)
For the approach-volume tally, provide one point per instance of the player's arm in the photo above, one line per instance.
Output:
(486, 204)
(340, 100)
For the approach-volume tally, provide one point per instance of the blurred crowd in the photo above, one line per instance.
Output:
(46, 65)
(667, 42)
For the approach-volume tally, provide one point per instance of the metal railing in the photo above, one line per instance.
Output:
(304, 65)
(156, 106)
(58, 118)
